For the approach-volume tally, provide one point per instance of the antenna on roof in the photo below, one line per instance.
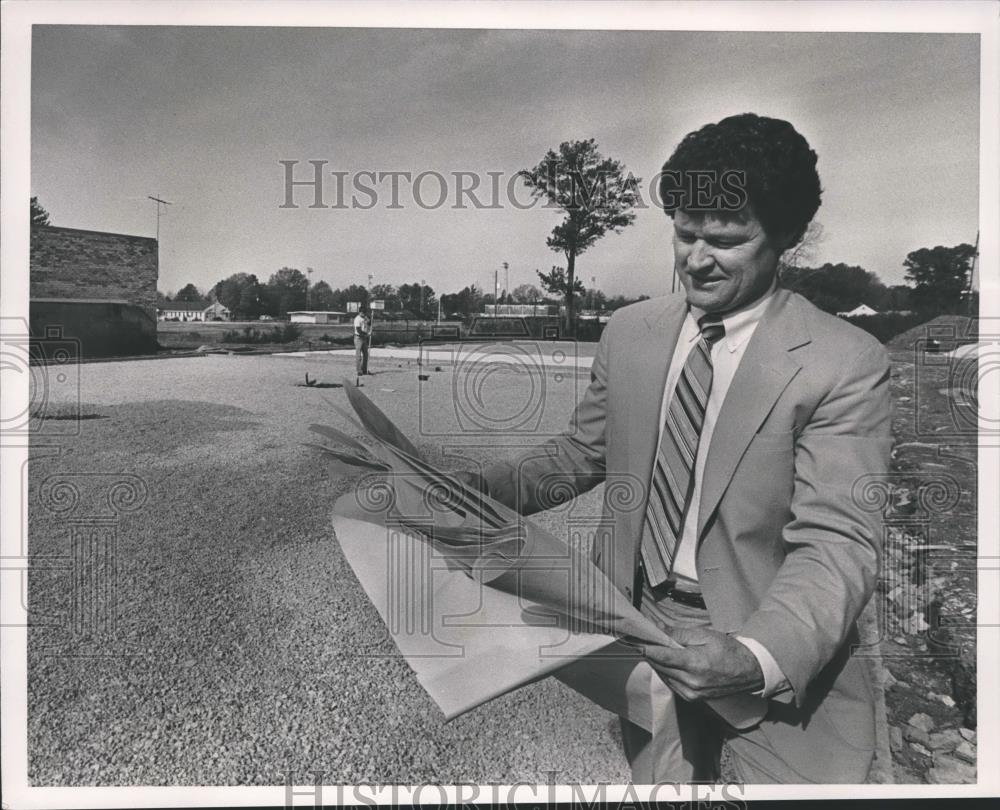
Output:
(158, 202)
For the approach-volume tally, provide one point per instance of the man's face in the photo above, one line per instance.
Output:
(723, 262)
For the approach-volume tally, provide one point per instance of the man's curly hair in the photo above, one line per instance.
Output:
(778, 167)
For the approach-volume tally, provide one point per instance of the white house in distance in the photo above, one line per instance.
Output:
(317, 316)
(193, 311)
(858, 311)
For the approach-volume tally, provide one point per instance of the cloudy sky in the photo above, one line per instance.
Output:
(202, 117)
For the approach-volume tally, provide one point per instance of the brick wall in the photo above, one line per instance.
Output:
(70, 263)
(96, 290)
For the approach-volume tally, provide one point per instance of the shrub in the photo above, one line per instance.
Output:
(339, 341)
(286, 333)
(589, 331)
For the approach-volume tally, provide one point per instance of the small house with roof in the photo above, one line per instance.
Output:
(194, 311)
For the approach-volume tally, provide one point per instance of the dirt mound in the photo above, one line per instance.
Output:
(942, 328)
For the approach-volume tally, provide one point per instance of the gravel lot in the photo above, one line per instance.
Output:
(239, 646)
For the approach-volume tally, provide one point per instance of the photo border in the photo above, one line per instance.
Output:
(15, 57)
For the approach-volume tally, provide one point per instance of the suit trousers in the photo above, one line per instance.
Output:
(688, 740)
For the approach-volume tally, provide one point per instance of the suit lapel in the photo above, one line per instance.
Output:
(763, 374)
(649, 375)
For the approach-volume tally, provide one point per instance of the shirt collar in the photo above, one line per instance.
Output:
(740, 323)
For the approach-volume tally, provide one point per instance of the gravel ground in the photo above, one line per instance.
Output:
(235, 644)
(929, 598)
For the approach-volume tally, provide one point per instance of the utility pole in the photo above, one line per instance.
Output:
(423, 283)
(496, 293)
(506, 284)
(309, 273)
(158, 202)
(371, 311)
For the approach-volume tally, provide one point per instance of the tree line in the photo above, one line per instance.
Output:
(289, 290)
(938, 283)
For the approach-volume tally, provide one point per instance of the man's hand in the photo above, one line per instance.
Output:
(711, 664)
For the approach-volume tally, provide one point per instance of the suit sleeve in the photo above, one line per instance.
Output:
(564, 466)
(833, 546)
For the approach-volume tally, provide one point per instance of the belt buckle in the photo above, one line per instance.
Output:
(669, 589)
(691, 598)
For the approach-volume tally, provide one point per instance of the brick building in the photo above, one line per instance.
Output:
(98, 288)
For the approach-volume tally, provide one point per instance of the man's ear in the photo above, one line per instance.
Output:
(788, 240)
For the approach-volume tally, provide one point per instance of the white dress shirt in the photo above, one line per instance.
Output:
(726, 356)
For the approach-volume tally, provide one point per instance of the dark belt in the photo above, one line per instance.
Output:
(670, 590)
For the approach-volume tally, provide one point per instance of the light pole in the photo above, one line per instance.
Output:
(371, 311)
(309, 273)
(506, 284)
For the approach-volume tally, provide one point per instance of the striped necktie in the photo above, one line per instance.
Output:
(670, 493)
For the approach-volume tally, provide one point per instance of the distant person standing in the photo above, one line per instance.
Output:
(362, 336)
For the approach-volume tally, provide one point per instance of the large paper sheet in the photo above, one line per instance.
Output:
(479, 599)
(466, 642)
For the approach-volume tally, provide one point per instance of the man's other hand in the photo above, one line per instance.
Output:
(709, 665)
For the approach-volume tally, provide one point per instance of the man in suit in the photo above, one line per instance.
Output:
(749, 417)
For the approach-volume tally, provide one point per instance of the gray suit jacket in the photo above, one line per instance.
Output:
(786, 555)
